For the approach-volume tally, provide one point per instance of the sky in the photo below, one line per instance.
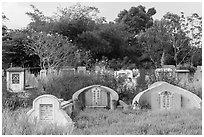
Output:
(15, 11)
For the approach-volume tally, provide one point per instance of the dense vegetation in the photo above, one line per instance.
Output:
(76, 36)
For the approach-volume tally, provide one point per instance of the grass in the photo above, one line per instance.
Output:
(103, 122)
(16, 123)
(110, 122)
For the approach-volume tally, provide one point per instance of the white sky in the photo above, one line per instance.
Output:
(15, 11)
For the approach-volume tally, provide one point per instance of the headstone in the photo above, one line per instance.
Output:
(52, 72)
(165, 96)
(183, 76)
(15, 79)
(164, 72)
(47, 109)
(30, 80)
(95, 96)
(67, 70)
(129, 73)
(198, 74)
(3, 74)
(81, 69)
(43, 73)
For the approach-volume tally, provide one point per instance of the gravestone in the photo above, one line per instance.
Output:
(52, 72)
(67, 70)
(43, 73)
(30, 80)
(81, 69)
(164, 72)
(198, 74)
(183, 76)
(95, 96)
(15, 79)
(47, 109)
(3, 73)
(164, 96)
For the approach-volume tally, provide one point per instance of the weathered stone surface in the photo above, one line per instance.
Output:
(162, 95)
(96, 96)
(15, 79)
(47, 109)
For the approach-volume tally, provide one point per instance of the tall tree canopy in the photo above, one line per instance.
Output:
(137, 18)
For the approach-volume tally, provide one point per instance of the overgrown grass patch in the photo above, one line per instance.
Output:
(143, 122)
(17, 123)
(110, 122)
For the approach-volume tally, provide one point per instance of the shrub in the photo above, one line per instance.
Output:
(65, 86)
(13, 101)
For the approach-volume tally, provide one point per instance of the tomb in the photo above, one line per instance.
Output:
(164, 96)
(67, 70)
(96, 96)
(183, 76)
(81, 69)
(48, 109)
(30, 80)
(43, 74)
(159, 72)
(15, 79)
(198, 74)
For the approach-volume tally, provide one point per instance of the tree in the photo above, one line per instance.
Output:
(40, 22)
(192, 26)
(110, 40)
(137, 18)
(4, 28)
(54, 50)
(156, 40)
(15, 51)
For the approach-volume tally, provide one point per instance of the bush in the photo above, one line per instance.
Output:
(13, 101)
(65, 86)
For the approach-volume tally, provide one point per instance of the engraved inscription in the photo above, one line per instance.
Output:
(46, 112)
(15, 78)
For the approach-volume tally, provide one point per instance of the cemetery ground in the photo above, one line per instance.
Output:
(110, 122)
(95, 121)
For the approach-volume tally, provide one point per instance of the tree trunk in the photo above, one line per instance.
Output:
(163, 58)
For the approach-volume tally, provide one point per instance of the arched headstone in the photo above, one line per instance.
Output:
(96, 96)
(47, 109)
(165, 96)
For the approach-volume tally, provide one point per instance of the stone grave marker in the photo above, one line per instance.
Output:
(15, 79)
(43, 73)
(183, 76)
(198, 74)
(30, 80)
(67, 70)
(47, 109)
(164, 96)
(81, 69)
